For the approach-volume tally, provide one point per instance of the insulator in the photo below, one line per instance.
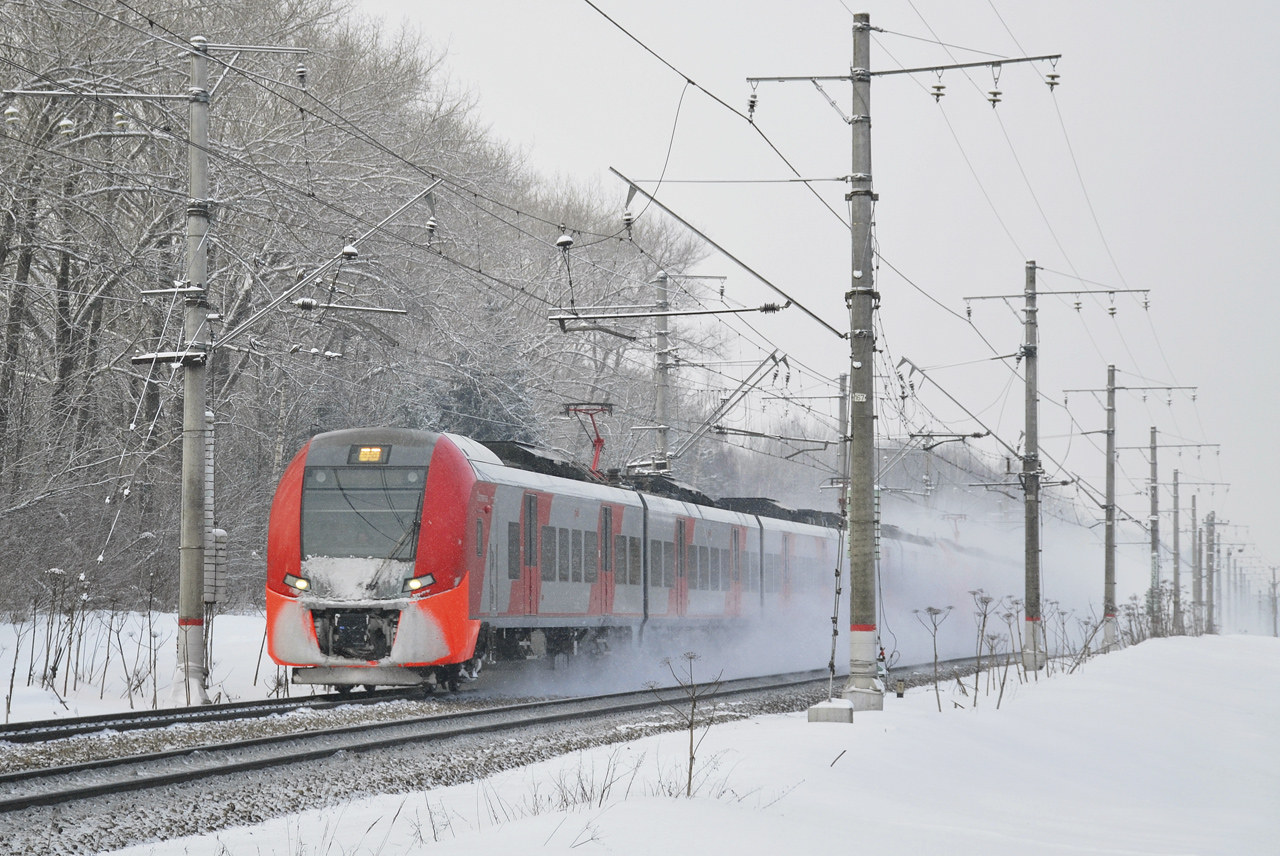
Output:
(431, 228)
(1077, 305)
(120, 120)
(968, 311)
(350, 253)
(628, 220)
(565, 241)
(301, 72)
(994, 97)
(752, 100)
(1052, 80)
(306, 303)
(1111, 310)
(66, 126)
(939, 90)
(12, 114)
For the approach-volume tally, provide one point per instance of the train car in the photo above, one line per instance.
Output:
(399, 557)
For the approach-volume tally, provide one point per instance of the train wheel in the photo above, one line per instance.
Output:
(370, 688)
(343, 689)
(454, 685)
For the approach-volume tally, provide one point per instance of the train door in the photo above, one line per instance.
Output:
(684, 537)
(530, 579)
(733, 586)
(607, 563)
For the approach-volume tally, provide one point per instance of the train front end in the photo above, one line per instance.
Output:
(367, 562)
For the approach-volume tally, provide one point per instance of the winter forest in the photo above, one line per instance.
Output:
(306, 153)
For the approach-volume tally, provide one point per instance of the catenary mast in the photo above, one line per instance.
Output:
(863, 687)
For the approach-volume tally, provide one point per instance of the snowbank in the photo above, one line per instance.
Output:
(1167, 747)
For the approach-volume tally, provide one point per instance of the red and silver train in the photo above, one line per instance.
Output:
(400, 557)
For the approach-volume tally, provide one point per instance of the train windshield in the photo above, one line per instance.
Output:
(362, 512)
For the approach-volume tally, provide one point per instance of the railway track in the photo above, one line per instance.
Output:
(58, 729)
(57, 785)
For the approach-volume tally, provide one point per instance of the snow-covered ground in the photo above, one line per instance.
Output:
(1169, 747)
(124, 661)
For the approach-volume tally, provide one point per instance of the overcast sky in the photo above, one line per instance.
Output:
(1169, 109)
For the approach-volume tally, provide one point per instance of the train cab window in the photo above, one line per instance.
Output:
(513, 550)
(479, 537)
(362, 511)
(549, 553)
(590, 556)
(636, 560)
(576, 567)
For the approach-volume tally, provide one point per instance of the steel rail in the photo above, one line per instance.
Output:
(45, 730)
(570, 708)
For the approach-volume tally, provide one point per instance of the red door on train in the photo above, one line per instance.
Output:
(684, 538)
(527, 590)
(603, 598)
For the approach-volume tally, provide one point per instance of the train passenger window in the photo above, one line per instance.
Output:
(577, 555)
(715, 569)
(479, 537)
(620, 550)
(668, 564)
(590, 556)
(636, 561)
(563, 564)
(655, 563)
(549, 553)
(513, 550)
(691, 565)
(704, 568)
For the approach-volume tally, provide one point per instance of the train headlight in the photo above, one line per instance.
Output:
(299, 583)
(415, 583)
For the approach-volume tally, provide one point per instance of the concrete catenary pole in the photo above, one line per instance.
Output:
(1197, 566)
(1177, 561)
(1109, 531)
(1033, 650)
(1153, 594)
(662, 374)
(863, 688)
(1209, 565)
(189, 683)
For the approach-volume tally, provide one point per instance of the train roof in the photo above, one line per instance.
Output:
(525, 456)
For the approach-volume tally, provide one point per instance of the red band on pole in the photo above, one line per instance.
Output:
(1029, 618)
(863, 627)
(191, 622)
(1109, 615)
